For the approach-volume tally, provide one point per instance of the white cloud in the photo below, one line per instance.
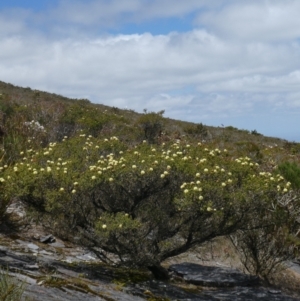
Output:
(258, 20)
(115, 12)
(144, 66)
(243, 61)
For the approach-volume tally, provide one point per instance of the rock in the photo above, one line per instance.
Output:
(32, 246)
(212, 276)
(57, 244)
(47, 239)
(58, 280)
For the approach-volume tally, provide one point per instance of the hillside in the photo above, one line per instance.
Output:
(138, 189)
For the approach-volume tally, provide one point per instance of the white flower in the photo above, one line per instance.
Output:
(197, 174)
(223, 184)
(104, 226)
(162, 176)
(61, 189)
(110, 179)
(75, 183)
(133, 166)
(93, 177)
(186, 191)
(2, 180)
(205, 170)
(142, 172)
(200, 197)
(73, 191)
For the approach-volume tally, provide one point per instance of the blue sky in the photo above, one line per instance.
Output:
(217, 62)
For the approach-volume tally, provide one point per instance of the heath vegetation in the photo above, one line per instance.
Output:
(140, 188)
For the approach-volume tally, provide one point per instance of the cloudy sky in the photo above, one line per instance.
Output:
(219, 62)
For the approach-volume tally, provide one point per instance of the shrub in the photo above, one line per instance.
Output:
(291, 172)
(267, 242)
(151, 125)
(197, 131)
(144, 204)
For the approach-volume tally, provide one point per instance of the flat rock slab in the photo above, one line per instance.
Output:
(169, 291)
(212, 276)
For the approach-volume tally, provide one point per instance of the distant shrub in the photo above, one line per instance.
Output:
(231, 128)
(197, 131)
(254, 132)
(152, 125)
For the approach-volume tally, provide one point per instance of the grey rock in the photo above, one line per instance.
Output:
(47, 239)
(57, 244)
(212, 276)
(32, 246)
(74, 274)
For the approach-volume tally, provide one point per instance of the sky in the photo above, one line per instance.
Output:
(216, 62)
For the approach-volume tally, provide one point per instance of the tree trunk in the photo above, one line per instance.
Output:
(159, 272)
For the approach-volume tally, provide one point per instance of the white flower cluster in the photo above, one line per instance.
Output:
(35, 125)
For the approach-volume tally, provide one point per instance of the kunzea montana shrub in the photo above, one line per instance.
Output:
(143, 204)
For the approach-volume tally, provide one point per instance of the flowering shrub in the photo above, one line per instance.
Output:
(144, 203)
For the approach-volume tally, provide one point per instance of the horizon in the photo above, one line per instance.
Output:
(226, 63)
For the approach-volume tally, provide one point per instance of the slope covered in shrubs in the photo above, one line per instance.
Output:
(143, 187)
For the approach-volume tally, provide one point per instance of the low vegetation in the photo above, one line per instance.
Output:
(10, 289)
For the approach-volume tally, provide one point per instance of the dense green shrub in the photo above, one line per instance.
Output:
(291, 172)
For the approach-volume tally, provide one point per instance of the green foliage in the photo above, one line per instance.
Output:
(10, 289)
(291, 172)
